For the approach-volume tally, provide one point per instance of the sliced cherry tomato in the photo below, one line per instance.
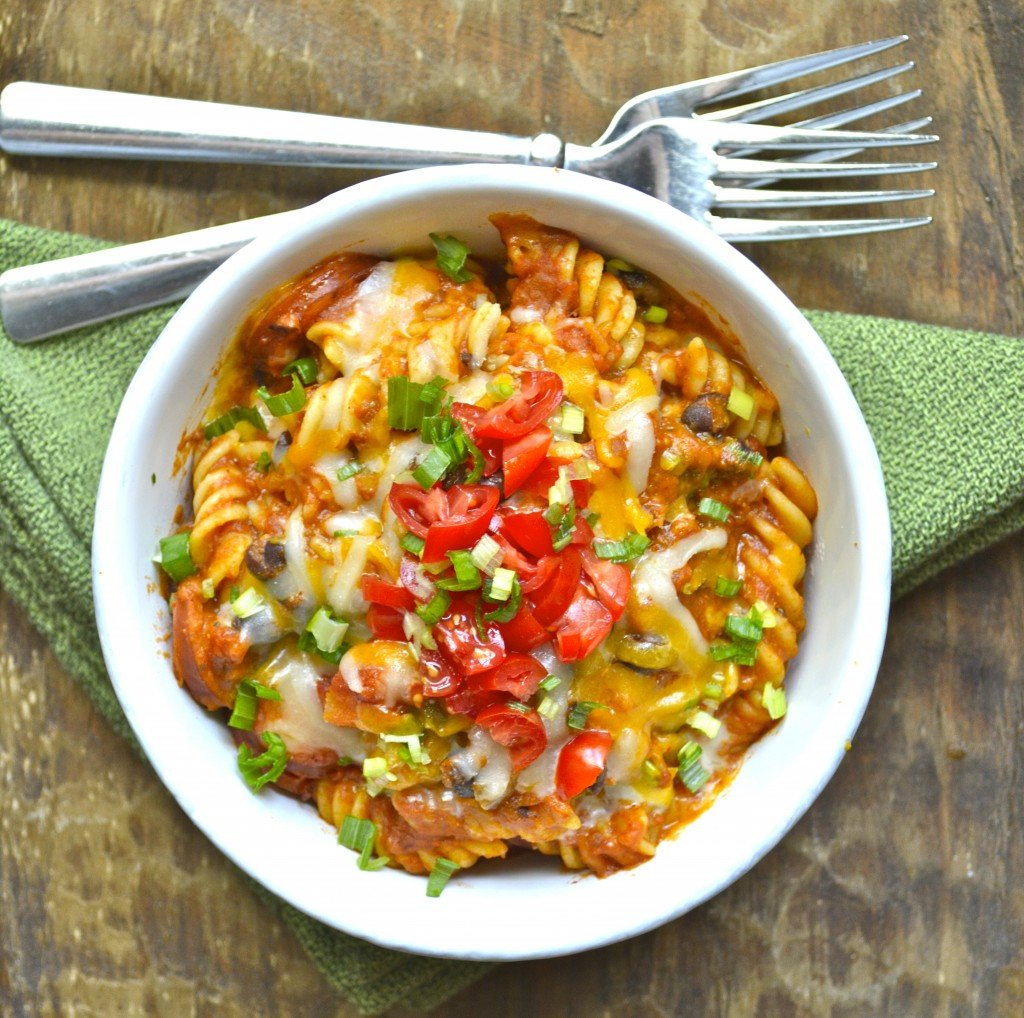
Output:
(529, 530)
(521, 456)
(582, 531)
(385, 623)
(552, 599)
(585, 623)
(470, 508)
(524, 632)
(457, 638)
(379, 591)
(518, 674)
(470, 417)
(539, 394)
(546, 474)
(581, 761)
(472, 701)
(439, 678)
(417, 508)
(611, 582)
(523, 735)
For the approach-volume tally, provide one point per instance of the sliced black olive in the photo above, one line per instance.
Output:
(265, 558)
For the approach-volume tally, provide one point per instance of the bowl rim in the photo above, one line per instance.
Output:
(302, 226)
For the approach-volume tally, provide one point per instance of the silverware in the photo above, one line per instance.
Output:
(697, 162)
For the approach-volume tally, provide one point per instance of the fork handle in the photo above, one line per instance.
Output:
(59, 120)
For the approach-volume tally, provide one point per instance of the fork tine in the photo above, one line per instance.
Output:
(763, 136)
(756, 169)
(763, 109)
(745, 197)
(738, 231)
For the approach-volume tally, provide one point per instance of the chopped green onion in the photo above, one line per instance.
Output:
(487, 554)
(247, 603)
(431, 395)
(573, 421)
(579, 712)
(592, 519)
(209, 589)
(434, 610)
(506, 612)
(327, 630)
(345, 533)
(348, 470)
(501, 584)
(257, 771)
(551, 682)
(745, 454)
(416, 752)
(451, 257)
(725, 587)
(774, 701)
(244, 712)
(227, 421)
(264, 462)
(713, 509)
(760, 612)
(305, 368)
(742, 628)
(439, 877)
(405, 409)
(284, 403)
(560, 493)
(519, 706)
(670, 460)
(465, 569)
(307, 643)
(374, 767)
(655, 315)
(618, 265)
(562, 519)
(740, 403)
(712, 690)
(360, 836)
(742, 654)
(501, 390)
(650, 768)
(705, 723)
(630, 547)
(478, 619)
(175, 557)
(413, 544)
(691, 771)
(548, 707)
(431, 468)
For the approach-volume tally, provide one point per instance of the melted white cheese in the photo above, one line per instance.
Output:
(341, 581)
(640, 450)
(381, 672)
(487, 764)
(539, 776)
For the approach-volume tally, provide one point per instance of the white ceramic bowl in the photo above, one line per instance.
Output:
(527, 907)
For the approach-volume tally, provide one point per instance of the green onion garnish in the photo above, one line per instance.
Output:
(618, 265)
(691, 771)
(551, 682)
(405, 409)
(412, 544)
(725, 587)
(742, 654)
(561, 517)
(501, 584)
(264, 462)
(305, 368)
(505, 612)
(548, 707)
(175, 557)
(247, 603)
(227, 421)
(487, 554)
(774, 701)
(705, 723)
(745, 454)
(268, 766)
(655, 315)
(712, 690)
(650, 768)
(630, 547)
(519, 706)
(740, 403)
(434, 610)
(560, 493)
(247, 698)
(451, 257)
(209, 589)
(579, 712)
(327, 630)
(431, 395)
(713, 509)
(501, 390)
(431, 468)
(374, 767)
(465, 569)
(742, 628)
(360, 836)
(284, 403)
(415, 748)
(348, 470)
(439, 877)
(573, 421)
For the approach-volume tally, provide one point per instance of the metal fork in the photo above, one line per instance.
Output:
(678, 159)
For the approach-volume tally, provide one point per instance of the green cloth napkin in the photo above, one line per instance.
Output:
(945, 408)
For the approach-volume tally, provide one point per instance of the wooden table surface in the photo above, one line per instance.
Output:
(901, 892)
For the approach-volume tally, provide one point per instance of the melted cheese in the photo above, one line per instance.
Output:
(539, 776)
(384, 671)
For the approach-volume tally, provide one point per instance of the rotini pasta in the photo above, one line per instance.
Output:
(482, 565)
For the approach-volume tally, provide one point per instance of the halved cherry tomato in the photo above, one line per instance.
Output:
(611, 582)
(518, 674)
(385, 623)
(521, 456)
(523, 735)
(439, 678)
(552, 599)
(457, 638)
(546, 474)
(581, 761)
(447, 520)
(539, 394)
(470, 417)
(524, 632)
(472, 701)
(379, 591)
(529, 530)
(585, 623)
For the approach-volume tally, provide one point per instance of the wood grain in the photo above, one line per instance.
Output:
(902, 890)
